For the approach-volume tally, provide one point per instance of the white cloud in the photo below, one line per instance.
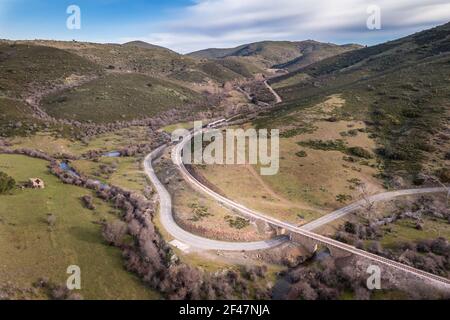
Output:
(221, 23)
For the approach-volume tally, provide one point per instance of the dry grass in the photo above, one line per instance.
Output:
(305, 187)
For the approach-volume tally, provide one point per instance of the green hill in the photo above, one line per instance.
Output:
(141, 57)
(144, 45)
(118, 97)
(312, 52)
(26, 66)
(99, 82)
(279, 54)
(400, 88)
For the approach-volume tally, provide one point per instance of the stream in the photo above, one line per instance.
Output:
(283, 284)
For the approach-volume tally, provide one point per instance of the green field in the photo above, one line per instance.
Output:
(127, 172)
(30, 249)
(405, 231)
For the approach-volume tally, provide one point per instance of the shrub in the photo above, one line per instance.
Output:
(238, 222)
(423, 247)
(359, 152)
(350, 133)
(444, 175)
(375, 247)
(439, 246)
(114, 232)
(350, 227)
(342, 198)
(199, 212)
(88, 202)
(301, 154)
(328, 145)
(6, 183)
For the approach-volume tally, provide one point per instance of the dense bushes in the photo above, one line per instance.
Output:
(325, 280)
(336, 145)
(6, 182)
(444, 175)
(328, 145)
(359, 152)
(429, 255)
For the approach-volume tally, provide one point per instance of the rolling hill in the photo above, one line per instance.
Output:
(146, 58)
(278, 54)
(98, 82)
(118, 97)
(144, 45)
(401, 89)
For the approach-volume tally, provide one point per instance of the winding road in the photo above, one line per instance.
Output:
(167, 220)
(305, 231)
(319, 239)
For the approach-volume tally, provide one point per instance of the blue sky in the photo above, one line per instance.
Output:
(102, 20)
(187, 25)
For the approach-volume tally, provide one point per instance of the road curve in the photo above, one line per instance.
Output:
(167, 220)
(177, 160)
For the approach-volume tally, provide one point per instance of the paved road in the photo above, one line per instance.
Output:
(358, 205)
(177, 160)
(167, 220)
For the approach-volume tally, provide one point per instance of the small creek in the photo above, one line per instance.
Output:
(283, 284)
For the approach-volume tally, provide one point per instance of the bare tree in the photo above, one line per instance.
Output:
(88, 202)
(436, 179)
(114, 232)
(367, 203)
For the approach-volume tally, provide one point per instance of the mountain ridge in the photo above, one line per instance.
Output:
(290, 55)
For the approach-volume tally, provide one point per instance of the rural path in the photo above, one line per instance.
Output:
(275, 94)
(187, 238)
(278, 99)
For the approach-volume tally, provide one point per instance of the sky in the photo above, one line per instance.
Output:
(189, 25)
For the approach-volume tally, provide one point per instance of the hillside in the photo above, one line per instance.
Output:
(278, 54)
(145, 58)
(98, 82)
(400, 89)
(144, 45)
(118, 97)
(314, 52)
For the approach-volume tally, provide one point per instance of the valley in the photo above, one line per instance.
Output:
(357, 124)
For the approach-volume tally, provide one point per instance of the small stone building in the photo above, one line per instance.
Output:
(36, 183)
